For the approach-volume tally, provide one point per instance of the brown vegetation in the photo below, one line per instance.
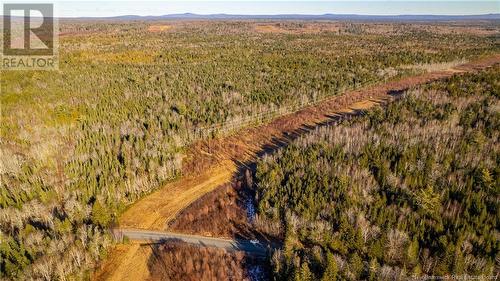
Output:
(225, 212)
(307, 27)
(159, 28)
(218, 213)
(201, 264)
(297, 28)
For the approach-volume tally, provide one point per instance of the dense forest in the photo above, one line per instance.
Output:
(412, 189)
(80, 144)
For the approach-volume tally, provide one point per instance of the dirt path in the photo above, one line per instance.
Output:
(146, 236)
(212, 163)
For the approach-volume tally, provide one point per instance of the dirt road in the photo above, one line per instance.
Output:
(214, 162)
(253, 247)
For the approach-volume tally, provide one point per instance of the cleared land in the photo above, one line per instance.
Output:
(159, 28)
(157, 209)
(162, 206)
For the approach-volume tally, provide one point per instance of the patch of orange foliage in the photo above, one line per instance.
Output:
(158, 28)
(305, 28)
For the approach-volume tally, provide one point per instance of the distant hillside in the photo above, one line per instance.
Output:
(312, 17)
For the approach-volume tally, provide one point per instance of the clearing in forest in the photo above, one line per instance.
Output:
(158, 28)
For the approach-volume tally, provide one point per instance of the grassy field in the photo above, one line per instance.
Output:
(80, 145)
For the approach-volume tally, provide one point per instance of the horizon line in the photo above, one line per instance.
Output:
(281, 14)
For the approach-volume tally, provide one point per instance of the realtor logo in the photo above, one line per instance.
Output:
(29, 37)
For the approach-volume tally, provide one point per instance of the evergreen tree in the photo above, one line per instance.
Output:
(331, 271)
(303, 273)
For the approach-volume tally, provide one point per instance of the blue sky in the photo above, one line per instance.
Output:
(367, 7)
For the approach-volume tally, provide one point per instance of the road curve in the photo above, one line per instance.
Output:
(163, 236)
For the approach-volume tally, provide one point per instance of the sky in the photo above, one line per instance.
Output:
(263, 7)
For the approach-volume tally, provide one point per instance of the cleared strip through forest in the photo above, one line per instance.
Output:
(226, 128)
(211, 163)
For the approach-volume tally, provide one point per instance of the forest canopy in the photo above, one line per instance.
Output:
(407, 190)
(80, 144)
